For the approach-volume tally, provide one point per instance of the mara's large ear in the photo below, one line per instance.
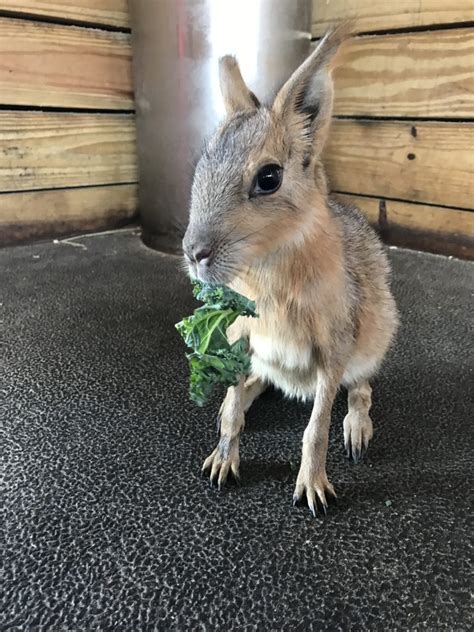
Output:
(237, 97)
(304, 103)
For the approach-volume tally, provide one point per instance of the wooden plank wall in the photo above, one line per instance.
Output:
(402, 144)
(67, 133)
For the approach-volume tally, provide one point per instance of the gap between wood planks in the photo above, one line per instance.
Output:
(410, 29)
(402, 200)
(51, 19)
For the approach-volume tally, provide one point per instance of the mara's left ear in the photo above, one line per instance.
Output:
(304, 103)
(237, 97)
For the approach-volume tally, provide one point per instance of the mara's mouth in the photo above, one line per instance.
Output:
(218, 269)
(206, 273)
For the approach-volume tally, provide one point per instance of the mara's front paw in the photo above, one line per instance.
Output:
(358, 431)
(224, 459)
(315, 485)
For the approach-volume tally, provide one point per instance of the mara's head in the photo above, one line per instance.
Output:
(257, 184)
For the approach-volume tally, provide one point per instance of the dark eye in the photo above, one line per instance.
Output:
(267, 180)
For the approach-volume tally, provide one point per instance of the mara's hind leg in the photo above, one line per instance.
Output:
(225, 457)
(358, 428)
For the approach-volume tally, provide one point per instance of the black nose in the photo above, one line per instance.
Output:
(202, 253)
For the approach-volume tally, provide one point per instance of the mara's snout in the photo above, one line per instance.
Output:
(200, 248)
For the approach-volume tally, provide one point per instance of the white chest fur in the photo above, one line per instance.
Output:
(276, 351)
(285, 364)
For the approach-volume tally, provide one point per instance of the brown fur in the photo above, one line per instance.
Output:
(316, 270)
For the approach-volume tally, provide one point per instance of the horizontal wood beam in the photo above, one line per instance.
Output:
(34, 215)
(427, 75)
(108, 12)
(43, 150)
(423, 227)
(418, 161)
(378, 15)
(48, 65)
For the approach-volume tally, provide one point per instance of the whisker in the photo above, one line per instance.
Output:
(236, 241)
(238, 247)
(223, 239)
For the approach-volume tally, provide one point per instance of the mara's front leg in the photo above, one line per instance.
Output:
(312, 479)
(225, 458)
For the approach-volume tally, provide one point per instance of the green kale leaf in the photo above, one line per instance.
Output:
(213, 360)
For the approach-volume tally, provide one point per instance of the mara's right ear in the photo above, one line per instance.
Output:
(237, 97)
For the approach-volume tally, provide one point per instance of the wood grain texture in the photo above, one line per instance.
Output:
(33, 215)
(377, 15)
(111, 12)
(443, 230)
(40, 150)
(427, 74)
(64, 66)
(419, 161)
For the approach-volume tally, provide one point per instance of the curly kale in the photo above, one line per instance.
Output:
(213, 360)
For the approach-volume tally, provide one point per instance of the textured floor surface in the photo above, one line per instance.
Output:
(109, 525)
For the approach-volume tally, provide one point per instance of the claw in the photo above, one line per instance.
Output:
(208, 463)
(322, 504)
(297, 495)
(311, 500)
(331, 496)
(223, 472)
(235, 472)
(220, 463)
(213, 476)
(236, 477)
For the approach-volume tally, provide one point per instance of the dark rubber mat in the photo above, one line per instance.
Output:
(108, 524)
